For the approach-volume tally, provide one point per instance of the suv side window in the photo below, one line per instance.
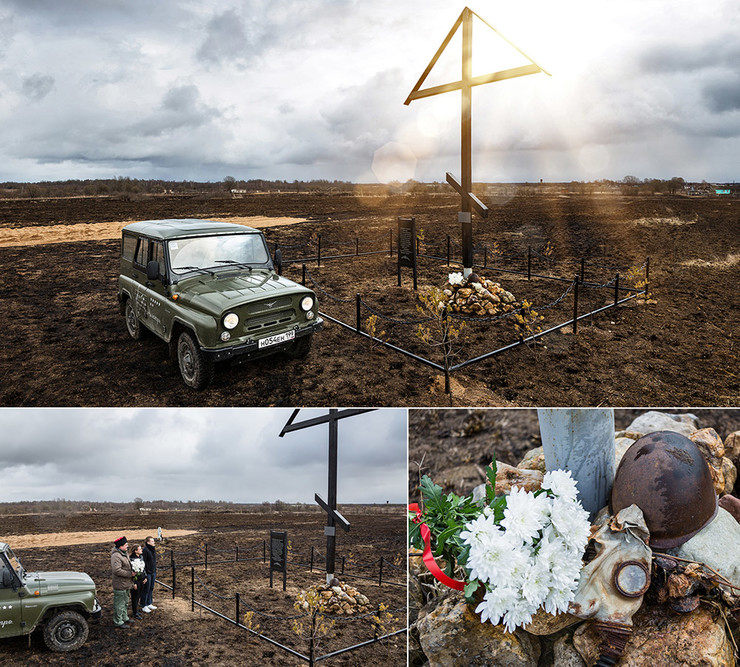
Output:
(128, 247)
(157, 255)
(141, 252)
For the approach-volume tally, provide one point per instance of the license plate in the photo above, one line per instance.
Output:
(276, 339)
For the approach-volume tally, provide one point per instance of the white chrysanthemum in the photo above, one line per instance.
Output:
(519, 613)
(456, 279)
(536, 582)
(561, 484)
(495, 604)
(570, 521)
(558, 599)
(525, 514)
(496, 558)
(479, 530)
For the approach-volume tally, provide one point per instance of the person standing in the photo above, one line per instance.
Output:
(139, 589)
(150, 567)
(123, 581)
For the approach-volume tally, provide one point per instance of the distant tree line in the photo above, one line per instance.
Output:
(63, 506)
(124, 187)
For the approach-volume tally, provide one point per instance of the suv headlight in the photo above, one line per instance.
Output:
(231, 320)
(307, 303)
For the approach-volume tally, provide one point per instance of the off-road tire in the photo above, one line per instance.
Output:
(65, 631)
(300, 347)
(195, 369)
(135, 328)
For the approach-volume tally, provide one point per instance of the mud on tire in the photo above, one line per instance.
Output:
(65, 631)
(195, 369)
(133, 326)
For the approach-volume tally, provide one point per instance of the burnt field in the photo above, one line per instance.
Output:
(174, 635)
(66, 343)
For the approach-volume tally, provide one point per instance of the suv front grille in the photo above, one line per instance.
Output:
(269, 305)
(270, 320)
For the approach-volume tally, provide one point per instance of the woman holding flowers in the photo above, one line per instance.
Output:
(137, 592)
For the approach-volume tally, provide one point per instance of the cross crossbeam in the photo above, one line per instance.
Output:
(469, 202)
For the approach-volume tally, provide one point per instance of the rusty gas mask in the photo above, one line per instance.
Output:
(613, 583)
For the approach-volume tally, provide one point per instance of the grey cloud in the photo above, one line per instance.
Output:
(37, 86)
(723, 96)
(723, 51)
(182, 107)
(227, 40)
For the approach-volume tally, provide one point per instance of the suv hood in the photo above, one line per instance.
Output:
(58, 582)
(217, 294)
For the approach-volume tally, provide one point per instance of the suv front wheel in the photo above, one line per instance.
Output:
(65, 631)
(133, 326)
(196, 370)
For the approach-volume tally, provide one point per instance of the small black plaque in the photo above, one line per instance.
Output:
(279, 554)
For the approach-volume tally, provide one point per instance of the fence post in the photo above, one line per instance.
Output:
(448, 250)
(575, 305)
(380, 572)
(529, 262)
(192, 589)
(206, 557)
(485, 256)
(583, 269)
(417, 246)
(375, 625)
(172, 565)
(390, 235)
(357, 312)
(616, 290)
(236, 549)
(236, 618)
(303, 279)
(357, 246)
(647, 275)
(445, 318)
(342, 565)
(318, 254)
(311, 558)
(264, 551)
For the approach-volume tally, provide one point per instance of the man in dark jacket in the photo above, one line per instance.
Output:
(123, 581)
(150, 567)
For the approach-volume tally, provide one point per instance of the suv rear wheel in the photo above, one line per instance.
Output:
(196, 370)
(65, 631)
(133, 326)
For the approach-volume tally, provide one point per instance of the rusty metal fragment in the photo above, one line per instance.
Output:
(665, 474)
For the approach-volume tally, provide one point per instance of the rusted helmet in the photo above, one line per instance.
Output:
(666, 476)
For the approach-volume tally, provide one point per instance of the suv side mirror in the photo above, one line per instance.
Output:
(152, 270)
(278, 261)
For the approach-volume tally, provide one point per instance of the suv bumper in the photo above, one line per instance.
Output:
(97, 611)
(252, 351)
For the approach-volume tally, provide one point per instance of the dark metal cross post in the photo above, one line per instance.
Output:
(334, 518)
(469, 202)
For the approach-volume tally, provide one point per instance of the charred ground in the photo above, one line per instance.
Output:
(66, 344)
(174, 635)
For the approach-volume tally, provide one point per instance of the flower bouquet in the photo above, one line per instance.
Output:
(137, 565)
(523, 551)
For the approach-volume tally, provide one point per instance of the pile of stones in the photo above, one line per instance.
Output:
(477, 296)
(337, 598)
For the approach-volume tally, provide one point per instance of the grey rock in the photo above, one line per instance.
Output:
(717, 545)
(651, 421)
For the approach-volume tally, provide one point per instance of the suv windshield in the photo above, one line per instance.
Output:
(208, 252)
(14, 563)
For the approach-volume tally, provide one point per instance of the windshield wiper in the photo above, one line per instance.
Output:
(232, 262)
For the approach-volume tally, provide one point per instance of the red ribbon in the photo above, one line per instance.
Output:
(428, 557)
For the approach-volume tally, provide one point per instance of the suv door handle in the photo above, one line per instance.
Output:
(148, 284)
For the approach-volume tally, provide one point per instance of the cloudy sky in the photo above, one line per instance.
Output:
(231, 454)
(302, 89)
